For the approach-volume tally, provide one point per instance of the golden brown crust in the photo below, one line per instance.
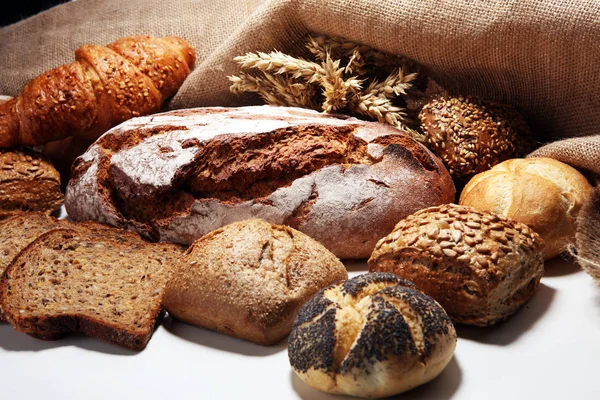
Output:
(166, 66)
(479, 266)
(471, 135)
(128, 91)
(249, 279)
(542, 193)
(101, 89)
(28, 182)
(9, 122)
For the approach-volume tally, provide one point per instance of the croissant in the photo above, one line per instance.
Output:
(105, 86)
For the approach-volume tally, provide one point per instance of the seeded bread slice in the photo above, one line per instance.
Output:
(17, 232)
(71, 280)
(20, 230)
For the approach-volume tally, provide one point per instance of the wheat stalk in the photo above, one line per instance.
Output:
(340, 48)
(344, 77)
(279, 63)
(379, 108)
(336, 89)
(396, 84)
(275, 90)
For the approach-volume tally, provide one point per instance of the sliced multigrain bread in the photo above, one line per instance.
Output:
(17, 232)
(71, 280)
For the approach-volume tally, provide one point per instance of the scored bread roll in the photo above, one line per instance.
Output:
(249, 279)
(543, 193)
(481, 267)
(375, 335)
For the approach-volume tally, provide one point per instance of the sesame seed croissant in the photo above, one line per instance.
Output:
(105, 86)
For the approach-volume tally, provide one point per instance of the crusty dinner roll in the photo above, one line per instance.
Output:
(375, 335)
(541, 192)
(249, 279)
(479, 266)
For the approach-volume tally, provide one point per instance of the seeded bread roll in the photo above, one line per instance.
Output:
(471, 135)
(249, 279)
(28, 182)
(375, 335)
(542, 193)
(177, 176)
(479, 266)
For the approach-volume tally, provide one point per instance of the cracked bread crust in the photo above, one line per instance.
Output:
(95, 280)
(375, 335)
(481, 267)
(249, 279)
(177, 176)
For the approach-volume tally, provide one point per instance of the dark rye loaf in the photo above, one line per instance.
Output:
(102, 282)
(179, 175)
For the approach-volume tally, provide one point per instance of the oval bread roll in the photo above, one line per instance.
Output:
(249, 279)
(543, 193)
(471, 134)
(375, 335)
(479, 266)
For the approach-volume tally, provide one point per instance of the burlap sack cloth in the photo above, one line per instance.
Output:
(541, 56)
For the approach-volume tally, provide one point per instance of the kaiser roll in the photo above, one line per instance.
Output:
(375, 335)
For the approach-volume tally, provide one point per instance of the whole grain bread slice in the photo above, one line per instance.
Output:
(19, 231)
(108, 285)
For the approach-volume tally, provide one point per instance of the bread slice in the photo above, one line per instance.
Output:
(77, 280)
(17, 232)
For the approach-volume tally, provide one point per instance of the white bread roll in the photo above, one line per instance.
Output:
(542, 193)
(375, 335)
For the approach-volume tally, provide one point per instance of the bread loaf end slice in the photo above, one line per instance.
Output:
(76, 281)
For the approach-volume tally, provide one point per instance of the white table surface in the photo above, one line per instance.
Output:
(549, 350)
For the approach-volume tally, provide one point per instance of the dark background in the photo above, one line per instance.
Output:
(17, 10)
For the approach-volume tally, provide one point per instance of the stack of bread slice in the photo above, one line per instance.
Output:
(60, 277)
